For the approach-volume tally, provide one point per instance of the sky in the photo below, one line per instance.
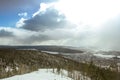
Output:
(79, 23)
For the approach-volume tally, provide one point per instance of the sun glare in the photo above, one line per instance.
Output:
(88, 12)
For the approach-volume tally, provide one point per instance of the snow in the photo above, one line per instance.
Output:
(50, 52)
(29, 49)
(41, 74)
(104, 56)
(118, 56)
(8, 69)
(17, 68)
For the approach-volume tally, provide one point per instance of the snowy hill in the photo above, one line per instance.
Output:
(41, 74)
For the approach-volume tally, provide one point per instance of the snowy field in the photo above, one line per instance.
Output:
(41, 74)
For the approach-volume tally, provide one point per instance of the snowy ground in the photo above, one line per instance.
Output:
(41, 74)
(105, 56)
(50, 52)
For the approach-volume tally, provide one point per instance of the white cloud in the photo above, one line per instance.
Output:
(43, 8)
(20, 22)
(23, 14)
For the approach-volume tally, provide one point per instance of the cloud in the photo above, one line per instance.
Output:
(23, 14)
(20, 22)
(20, 36)
(42, 20)
(5, 33)
(33, 39)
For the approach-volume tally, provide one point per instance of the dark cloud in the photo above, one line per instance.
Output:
(22, 37)
(51, 19)
(4, 33)
(33, 39)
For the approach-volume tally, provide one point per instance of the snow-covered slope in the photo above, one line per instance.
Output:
(41, 74)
